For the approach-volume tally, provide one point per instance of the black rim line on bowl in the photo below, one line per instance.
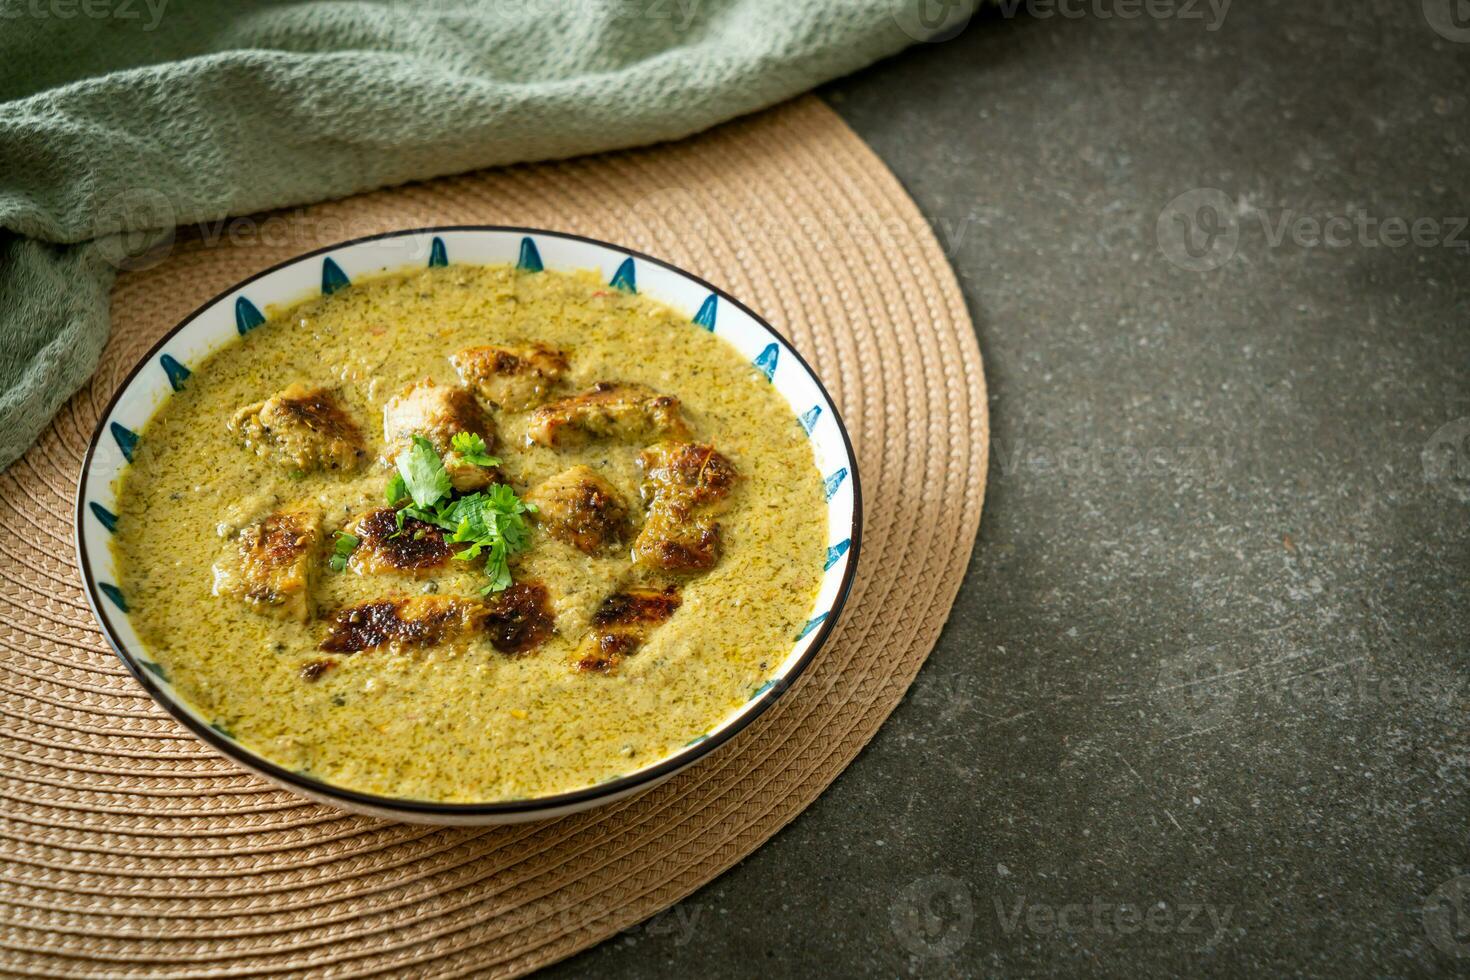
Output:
(684, 757)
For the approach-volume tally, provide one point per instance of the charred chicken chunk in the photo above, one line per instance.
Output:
(403, 621)
(417, 549)
(622, 624)
(608, 410)
(437, 412)
(689, 475)
(685, 486)
(670, 543)
(582, 509)
(514, 378)
(270, 564)
(305, 428)
(519, 618)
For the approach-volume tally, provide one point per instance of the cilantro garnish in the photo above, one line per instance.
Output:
(423, 473)
(397, 489)
(490, 522)
(345, 544)
(472, 449)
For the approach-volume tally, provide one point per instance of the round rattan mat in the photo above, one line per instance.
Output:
(129, 849)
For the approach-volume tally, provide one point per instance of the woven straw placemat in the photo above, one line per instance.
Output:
(129, 849)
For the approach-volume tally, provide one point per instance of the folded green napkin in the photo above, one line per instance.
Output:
(118, 116)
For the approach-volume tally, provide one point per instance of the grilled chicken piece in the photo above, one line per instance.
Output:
(685, 486)
(514, 378)
(303, 427)
(519, 618)
(608, 410)
(404, 621)
(271, 563)
(437, 412)
(417, 550)
(693, 475)
(582, 509)
(670, 543)
(516, 620)
(622, 624)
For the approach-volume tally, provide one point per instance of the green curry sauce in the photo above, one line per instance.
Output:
(464, 722)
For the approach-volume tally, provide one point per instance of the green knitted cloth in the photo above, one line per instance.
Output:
(118, 116)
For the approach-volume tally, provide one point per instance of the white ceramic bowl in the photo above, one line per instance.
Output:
(165, 370)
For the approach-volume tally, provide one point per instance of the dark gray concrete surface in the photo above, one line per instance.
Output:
(1201, 708)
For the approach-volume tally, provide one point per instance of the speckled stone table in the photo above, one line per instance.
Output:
(1202, 705)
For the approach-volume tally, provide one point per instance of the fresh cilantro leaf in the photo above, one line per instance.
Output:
(397, 490)
(342, 549)
(489, 523)
(472, 449)
(423, 473)
(464, 517)
(498, 568)
(504, 499)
